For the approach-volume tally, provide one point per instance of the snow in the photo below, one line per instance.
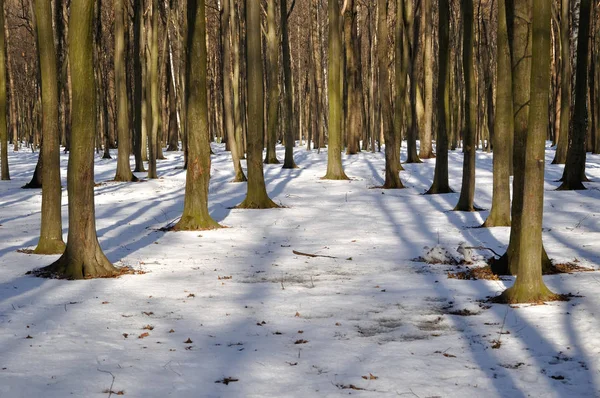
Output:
(287, 325)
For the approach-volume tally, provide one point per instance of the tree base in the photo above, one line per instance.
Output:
(265, 203)
(32, 185)
(71, 267)
(290, 166)
(239, 177)
(572, 186)
(439, 190)
(198, 223)
(495, 220)
(50, 246)
(271, 160)
(523, 294)
(335, 176)
(467, 208)
(131, 178)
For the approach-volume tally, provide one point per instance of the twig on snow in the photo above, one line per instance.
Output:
(310, 254)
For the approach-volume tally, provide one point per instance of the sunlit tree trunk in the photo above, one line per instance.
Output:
(503, 127)
(83, 257)
(335, 170)
(529, 286)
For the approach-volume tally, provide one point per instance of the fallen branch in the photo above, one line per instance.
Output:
(483, 248)
(310, 254)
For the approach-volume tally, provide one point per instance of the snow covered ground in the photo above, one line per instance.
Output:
(235, 313)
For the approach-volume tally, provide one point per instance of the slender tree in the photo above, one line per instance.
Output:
(4, 172)
(355, 114)
(467, 192)
(574, 172)
(123, 167)
(51, 241)
(392, 155)
(440, 179)
(529, 285)
(503, 127)
(152, 89)
(256, 196)
(138, 143)
(560, 156)
(426, 148)
(272, 83)
(411, 29)
(335, 170)
(290, 120)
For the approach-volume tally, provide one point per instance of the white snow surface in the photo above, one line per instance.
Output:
(286, 325)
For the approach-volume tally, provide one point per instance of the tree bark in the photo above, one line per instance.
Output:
(4, 172)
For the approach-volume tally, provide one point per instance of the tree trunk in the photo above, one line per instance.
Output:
(289, 120)
(426, 148)
(354, 115)
(392, 156)
(335, 170)
(574, 172)
(256, 197)
(4, 172)
(560, 157)
(411, 24)
(123, 172)
(467, 192)
(138, 144)
(195, 211)
(440, 179)
(51, 241)
(83, 257)
(503, 126)
(272, 83)
(529, 286)
(152, 89)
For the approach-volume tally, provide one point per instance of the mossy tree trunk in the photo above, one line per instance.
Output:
(335, 170)
(51, 241)
(272, 83)
(256, 197)
(440, 179)
(574, 172)
(83, 257)
(123, 172)
(195, 211)
(529, 285)
(467, 192)
(392, 155)
(503, 127)
(4, 172)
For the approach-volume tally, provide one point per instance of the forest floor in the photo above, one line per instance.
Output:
(235, 312)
